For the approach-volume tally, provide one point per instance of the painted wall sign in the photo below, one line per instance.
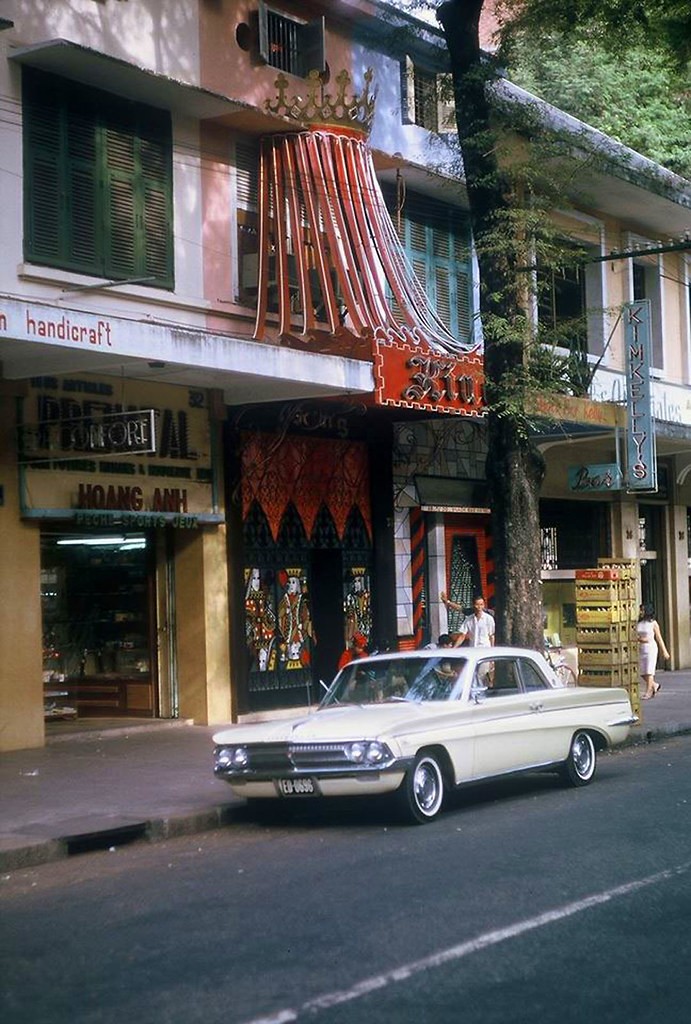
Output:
(94, 453)
(602, 477)
(413, 379)
(640, 437)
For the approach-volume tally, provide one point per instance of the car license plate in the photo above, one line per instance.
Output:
(297, 787)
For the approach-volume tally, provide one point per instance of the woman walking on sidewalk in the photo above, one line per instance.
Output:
(649, 641)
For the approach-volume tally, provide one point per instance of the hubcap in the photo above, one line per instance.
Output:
(426, 786)
(582, 756)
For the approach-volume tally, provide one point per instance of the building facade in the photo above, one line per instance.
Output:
(241, 391)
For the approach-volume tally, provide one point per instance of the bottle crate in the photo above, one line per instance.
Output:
(596, 592)
(635, 698)
(616, 656)
(627, 568)
(594, 635)
(598, 575)
(602, 615)
(604, 677)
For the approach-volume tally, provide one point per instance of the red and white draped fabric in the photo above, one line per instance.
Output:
(328, 249)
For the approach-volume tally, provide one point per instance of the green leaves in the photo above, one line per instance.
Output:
(634, 91)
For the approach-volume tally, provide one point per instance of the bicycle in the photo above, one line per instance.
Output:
(556, 659)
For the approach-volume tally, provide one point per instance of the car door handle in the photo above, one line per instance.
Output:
(537, 707)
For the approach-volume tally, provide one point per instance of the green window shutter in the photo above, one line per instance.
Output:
(156, 215)
(436, 238)
(443, 295)
(158, 248)
(81, 244)
(463, 330)
(420, 268)
(98, 182)
(42, 173)
(122, 233)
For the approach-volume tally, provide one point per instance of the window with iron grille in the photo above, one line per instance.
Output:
(97, 182)
(425, 98)
(296, 47)
(436, 238)
(562, 306)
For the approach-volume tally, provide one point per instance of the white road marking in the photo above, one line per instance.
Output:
(445, 956)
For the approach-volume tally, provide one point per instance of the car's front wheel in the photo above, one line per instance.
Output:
(422, 790)
(579, 767)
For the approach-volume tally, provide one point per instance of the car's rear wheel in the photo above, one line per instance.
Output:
(579, 767)
(422, 791)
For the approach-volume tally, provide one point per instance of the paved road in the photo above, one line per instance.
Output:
(525, 902)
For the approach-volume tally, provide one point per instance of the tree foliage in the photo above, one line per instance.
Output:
(618, 25)
(637, 98)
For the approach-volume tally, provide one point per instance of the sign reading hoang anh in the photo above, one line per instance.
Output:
(103, 451)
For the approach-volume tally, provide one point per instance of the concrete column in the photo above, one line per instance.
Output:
(203, 656)
(678, 584)
(436, 580)
(21, 644)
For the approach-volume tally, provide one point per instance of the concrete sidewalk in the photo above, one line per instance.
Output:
(100, 784)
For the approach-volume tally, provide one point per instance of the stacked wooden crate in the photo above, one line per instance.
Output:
(606, 615)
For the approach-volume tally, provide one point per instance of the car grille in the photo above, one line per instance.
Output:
(277, 757)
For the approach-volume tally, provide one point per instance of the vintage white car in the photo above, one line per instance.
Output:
(419, 723)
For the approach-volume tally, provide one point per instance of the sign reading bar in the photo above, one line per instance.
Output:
(640, 438)
(110, 433)
(602, 477)
(413, 378)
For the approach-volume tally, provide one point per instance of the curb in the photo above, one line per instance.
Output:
(24, 851)
(646, 736)
(20, 851)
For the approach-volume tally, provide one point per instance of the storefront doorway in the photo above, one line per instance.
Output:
(468, 565)
(98, 608)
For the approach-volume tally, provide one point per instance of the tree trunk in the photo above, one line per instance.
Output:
(515, 468)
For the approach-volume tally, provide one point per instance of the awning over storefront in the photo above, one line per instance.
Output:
(446, 494)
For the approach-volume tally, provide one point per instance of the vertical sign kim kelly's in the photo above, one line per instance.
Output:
(640, 438)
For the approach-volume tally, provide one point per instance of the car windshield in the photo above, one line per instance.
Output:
(389, 680)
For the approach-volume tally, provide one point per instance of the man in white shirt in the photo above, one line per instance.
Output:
(477, 629)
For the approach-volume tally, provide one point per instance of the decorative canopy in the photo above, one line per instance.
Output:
(329, 256)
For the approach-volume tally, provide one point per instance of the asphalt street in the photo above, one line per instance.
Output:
(526, 901)
(102, 783)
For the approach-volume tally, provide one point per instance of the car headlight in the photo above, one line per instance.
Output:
(376, 752)
(231, 757)
(367, 752)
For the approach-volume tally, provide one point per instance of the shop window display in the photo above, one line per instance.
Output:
(97, 650)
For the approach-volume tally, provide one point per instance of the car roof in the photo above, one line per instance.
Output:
(468, 653)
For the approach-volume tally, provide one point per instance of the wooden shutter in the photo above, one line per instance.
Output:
(81, 214)
(262, 16)
(247, 174)
(408, 91)
(98, 182)
(42, 170)
(311, 47)
(155, 166)
(123, 234)
(446, 108)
